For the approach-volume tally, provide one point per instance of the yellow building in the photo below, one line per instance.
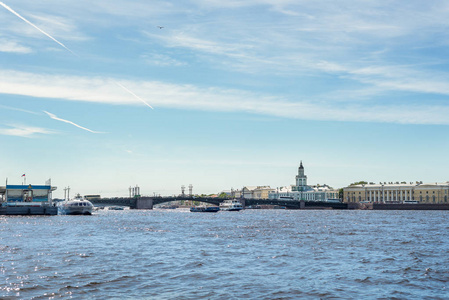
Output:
(397, 192)
(257, 192)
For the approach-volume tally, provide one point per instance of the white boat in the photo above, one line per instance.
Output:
(76, 206)
(231, 205)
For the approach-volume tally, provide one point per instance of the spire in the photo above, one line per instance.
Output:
(301, 179)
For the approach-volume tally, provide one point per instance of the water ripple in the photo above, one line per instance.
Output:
(254, 254)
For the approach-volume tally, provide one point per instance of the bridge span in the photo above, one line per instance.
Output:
(149, 202)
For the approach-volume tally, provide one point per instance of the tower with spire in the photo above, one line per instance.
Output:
(301, 179)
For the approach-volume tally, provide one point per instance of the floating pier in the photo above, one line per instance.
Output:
(27, 200)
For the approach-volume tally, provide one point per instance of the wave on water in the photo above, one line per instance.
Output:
(255, 254)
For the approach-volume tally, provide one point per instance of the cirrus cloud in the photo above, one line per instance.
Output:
(190, 97)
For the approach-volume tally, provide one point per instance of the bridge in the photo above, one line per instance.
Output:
(149, 202)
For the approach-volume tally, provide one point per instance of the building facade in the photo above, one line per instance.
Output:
(302, 191)
(256, 192)
(403, 192)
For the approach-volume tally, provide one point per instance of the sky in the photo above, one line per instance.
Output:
(100, 96)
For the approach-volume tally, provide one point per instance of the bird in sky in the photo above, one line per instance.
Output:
(160, 27)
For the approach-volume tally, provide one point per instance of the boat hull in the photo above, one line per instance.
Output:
(75, 211)
(205, 209)
(231, 209)
(29, 210)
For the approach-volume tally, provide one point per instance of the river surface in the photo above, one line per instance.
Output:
(252, 254)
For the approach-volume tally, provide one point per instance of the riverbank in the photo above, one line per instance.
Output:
(398, 206)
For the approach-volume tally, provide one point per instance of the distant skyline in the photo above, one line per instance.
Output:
(106, 95)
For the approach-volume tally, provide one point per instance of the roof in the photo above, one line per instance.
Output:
(397, 184)
(323, 188)
(250, 188)
(26, 187)
(284, 189)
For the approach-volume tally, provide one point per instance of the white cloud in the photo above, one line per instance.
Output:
(60, 27)
(284, 37)
(313, 31)
(161, 60)
(18, 109)
(104, 90)
(23, 131)
(13, 47)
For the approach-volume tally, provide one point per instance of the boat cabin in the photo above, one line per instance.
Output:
(24, 194)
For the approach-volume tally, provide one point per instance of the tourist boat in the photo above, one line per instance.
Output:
(231, 205)
(76, 206)
(204, 209)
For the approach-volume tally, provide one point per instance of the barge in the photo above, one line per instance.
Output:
(27, 200)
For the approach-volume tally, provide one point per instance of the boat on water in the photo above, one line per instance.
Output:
(204, 209)
(231, 205)
(27, 199)
(76, 206)
(116, 208)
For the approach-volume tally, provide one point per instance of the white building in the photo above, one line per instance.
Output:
(302, 191)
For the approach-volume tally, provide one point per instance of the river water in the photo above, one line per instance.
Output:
(252, 254)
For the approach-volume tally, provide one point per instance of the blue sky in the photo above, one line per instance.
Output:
(228, 93)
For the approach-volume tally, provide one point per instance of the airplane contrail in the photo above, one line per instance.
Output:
(61, 44)
(28, 22)
(54, 117)
(126, 89)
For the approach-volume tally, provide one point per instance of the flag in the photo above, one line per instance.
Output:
(23, 175)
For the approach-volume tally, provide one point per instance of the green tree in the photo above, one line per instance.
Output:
(223, 195)
(359, 183)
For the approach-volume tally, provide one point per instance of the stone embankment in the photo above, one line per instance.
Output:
(398, 206)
